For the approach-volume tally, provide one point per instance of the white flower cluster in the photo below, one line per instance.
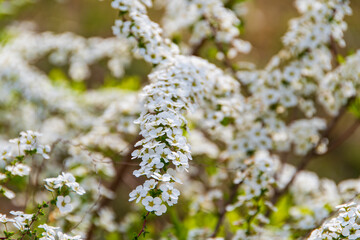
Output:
(291, 78)
(307, 213)
(12, 160)
(29, 141)
(225, 22)
(21, 220)
(313, 28)
(53, 233)
(68, 180)
(255, 181)
(69, 48)
(344, 226)
(39, 94)
(64, 179)
(238, 129)
(305, 134)
(340, 85)
(257, 177)
(177, 84)
(162, 123)
(205, 17)
(226, 114)
(144, 34)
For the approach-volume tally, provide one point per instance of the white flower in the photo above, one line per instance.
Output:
(7, 193)
(164, 178)
(67, 179)
(21, 219)
(15, 141)
(151, 204)
(138, 194)
(150, 184)
(5, 154)
(168, 191)
(63, 236)
(2, 176)
(77, 188)
(63, 203)
(64, 179)
(162, 209)
(28, 139)
(18, 169)
(44, 151)
(4, 219)
(50, 232)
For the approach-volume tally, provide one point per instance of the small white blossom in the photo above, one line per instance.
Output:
(63, 203)
(19, 169)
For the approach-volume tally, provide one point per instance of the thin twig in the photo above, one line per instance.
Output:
(34, 218)
(144, 225)
(220, 47)
(311, 154)
(334, 51)
(221, 217)
(113, 186)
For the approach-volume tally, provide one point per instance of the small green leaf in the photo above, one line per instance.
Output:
(227, 120)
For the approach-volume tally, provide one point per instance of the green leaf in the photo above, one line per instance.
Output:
(227, 120)
(282, 214)
(211, 53)
(155, 192)
(131, 83)
(340, 59)
(179, 227)
(59, 77)
(354, 108)
(112, 236)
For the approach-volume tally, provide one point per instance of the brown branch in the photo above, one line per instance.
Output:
(196, 49)
(312, 153)
(348, 133)
(222, 212)
(334, 51)
(220, 47)
(113, 185)
(227, 61)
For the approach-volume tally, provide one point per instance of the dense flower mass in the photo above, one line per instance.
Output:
(165, 116)
(344, 226)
